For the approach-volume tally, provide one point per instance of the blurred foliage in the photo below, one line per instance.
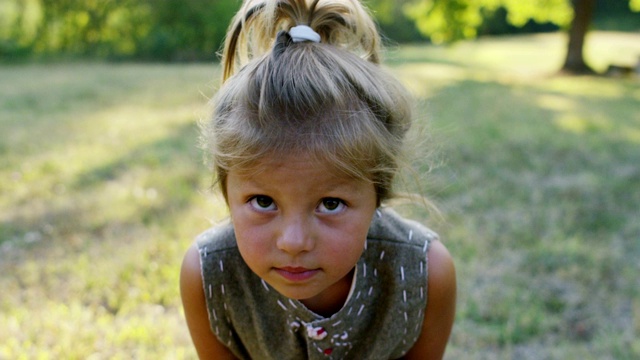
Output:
(114, 29)
(183, 30)
(451, 20)
(187, 29)
(394, 25)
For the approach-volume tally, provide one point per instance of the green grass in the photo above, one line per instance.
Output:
(538, 178)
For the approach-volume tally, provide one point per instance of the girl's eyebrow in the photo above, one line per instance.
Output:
(333, 183)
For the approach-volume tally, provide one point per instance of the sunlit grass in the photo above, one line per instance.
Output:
(540, 192)
(104, 191)
(537, 179)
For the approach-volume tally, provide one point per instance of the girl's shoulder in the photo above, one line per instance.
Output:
(388, 225)
(217, 238)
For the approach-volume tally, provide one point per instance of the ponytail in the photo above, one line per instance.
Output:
(320, 92)
(345, 24)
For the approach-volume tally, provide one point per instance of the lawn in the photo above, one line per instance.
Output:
(536, 177)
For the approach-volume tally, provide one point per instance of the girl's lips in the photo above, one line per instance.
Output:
(296, 273)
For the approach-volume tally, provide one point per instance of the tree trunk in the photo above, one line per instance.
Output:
(574, 62)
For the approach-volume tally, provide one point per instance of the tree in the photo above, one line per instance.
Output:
(574, 61)
(452, 20)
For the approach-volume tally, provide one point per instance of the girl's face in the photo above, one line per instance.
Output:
(301, 227)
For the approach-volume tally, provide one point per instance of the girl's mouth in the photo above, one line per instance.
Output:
(296, 274)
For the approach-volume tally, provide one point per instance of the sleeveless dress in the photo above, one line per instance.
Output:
(381, 318)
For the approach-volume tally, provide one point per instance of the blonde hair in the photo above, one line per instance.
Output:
(328, 100)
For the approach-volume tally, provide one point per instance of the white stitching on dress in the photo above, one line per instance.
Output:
(292, 304)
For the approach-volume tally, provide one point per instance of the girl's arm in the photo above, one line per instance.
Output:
(441, 306)
(195, 309)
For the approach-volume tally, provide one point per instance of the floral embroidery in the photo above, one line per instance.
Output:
(316, 333)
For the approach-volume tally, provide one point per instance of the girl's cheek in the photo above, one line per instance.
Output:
(256, 235)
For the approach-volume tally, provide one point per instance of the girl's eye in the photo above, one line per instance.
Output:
(262, 203)
(331, 206)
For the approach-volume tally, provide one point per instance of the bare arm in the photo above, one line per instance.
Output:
(195, 309)
(441, 306)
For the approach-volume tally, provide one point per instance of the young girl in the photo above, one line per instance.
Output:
(305, 138)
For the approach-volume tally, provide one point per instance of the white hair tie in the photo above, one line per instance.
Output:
(302, 33)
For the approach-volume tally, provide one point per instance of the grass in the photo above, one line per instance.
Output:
(103, 189)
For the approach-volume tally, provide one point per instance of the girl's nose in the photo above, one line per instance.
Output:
(296, 236)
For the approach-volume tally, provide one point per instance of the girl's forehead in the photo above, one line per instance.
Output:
(300, 177)
(273, 163)
(299, 163)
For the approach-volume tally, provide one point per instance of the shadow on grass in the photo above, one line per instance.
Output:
(149, 185)
(544, 216)
(162, 156)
